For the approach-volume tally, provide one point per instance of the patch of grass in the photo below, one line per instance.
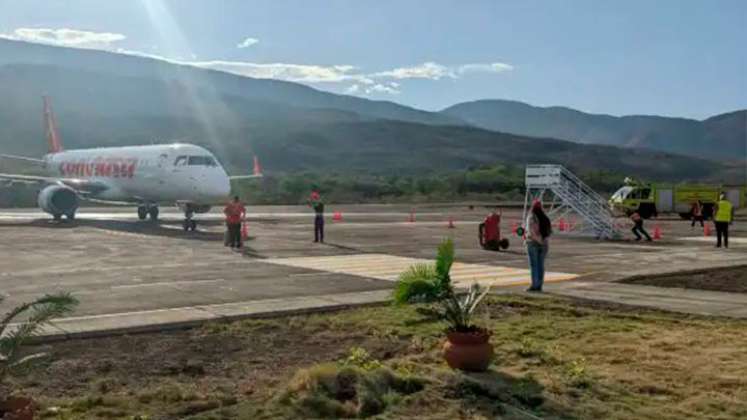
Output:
(577, 373)
(335, 390)
(555, 358)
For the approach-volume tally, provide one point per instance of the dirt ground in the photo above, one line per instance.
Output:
(555, 358)
(732, 279)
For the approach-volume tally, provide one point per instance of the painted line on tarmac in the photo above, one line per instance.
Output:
(713, 239)
(167, 283)
(389, 267)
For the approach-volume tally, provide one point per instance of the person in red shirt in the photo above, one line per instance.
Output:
(235, 213)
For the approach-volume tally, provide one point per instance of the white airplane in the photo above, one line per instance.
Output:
(185, 174)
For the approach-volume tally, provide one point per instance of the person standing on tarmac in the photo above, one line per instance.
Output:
(697, 213)
(724, 216)
(316, 203)
(638, 228)
(538, 231)
(235, 213)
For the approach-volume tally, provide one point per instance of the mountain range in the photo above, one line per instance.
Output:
(103, 99)
(722, 137)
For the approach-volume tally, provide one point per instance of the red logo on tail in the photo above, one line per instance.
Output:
(50, 128)
(257, 167)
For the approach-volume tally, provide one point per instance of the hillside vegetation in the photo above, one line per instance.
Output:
(719, 137)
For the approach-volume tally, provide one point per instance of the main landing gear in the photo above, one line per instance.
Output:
(189, 223)
(147, 210)
(58, 216)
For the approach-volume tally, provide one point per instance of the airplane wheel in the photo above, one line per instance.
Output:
(503, 243)
(186, 224)
(57, 217)
(71, 216)
(193, 225)
(153, 212)
(142, 212)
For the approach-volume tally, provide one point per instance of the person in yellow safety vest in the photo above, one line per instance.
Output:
(724, 215)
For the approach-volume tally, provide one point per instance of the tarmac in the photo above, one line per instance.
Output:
(133, 276)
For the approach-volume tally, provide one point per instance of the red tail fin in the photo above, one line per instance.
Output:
(50, 128)
(257, 167)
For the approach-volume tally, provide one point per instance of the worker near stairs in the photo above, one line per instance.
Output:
(235, 213)
(316, 203)
(638, 226)
(724, 216)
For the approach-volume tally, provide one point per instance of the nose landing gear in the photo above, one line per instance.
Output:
(189, 223)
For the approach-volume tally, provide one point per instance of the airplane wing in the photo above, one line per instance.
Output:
(256, 172)
(22, 158)
(82, 186)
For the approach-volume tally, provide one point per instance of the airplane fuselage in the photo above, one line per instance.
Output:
(171, 173)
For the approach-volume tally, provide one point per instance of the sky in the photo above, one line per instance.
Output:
(685, 58)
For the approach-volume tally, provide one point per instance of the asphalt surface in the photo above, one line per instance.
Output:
(116, 264)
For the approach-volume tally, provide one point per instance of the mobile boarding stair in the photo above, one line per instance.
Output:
(573, 206)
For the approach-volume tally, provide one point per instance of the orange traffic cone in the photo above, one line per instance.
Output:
(412, 216)
(451, 222)
(244, 231)
(657, 232)
(561, 225)
(707, 229)
(337, 217)
(514, 227)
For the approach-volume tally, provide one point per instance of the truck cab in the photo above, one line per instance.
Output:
(634, 197)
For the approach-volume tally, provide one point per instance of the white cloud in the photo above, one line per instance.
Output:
(428, 70)
(381, 88)
(248, 42)
(361, 83)
(377, 88)
(66, 37)
(305, 73)
(484, 68)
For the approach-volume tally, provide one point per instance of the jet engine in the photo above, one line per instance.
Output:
(58, 200)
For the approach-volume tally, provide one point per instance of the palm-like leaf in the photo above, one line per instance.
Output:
(40, 312)
(432, 283)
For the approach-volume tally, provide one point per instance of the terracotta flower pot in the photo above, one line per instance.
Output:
(470, 351)
(17, 408)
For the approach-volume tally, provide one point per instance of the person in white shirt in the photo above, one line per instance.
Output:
(538, 230)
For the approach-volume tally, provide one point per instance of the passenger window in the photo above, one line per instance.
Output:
(180, 161)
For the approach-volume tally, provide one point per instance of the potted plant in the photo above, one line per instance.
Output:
(37, 314)
(467, 346)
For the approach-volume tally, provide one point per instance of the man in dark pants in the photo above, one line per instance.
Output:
(638, 228)
(235, 212)
(724, 215)
(315, 202)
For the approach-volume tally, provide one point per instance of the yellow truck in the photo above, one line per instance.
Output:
(654, 198)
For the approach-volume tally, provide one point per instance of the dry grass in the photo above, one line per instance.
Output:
(554, 358)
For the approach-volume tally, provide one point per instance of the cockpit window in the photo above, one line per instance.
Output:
(180, 161)
(201, 161)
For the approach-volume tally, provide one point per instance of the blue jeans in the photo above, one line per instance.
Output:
(537, 254)
(319, 228)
